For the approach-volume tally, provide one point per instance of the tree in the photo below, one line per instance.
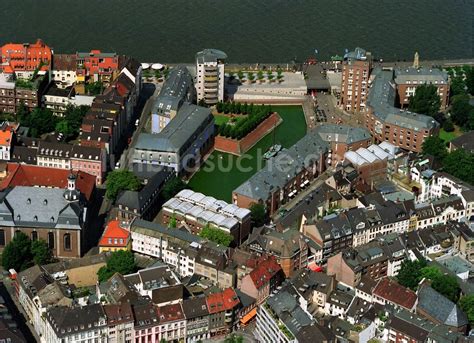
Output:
(121, 261)
(41, 252)
(250, 76)
(233, 338)
(22, 112)
(258, 213)
(458, 86)
(94, 88)
(435, 146)
(121, 180)
(448, 126)
(40, 121)
(460, 109)
(65, 128)
(17, 254)
(467, 305)
(448, 286)
(460, 163)
(240, 74)
(270, 75)
(260, 75)
(219, 107)
(469, 72)
(216, 235)
(172, 187)
(410, 273)
(426, 100)
(173, 223)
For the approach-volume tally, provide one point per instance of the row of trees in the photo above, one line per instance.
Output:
(235, 107)
(245, 125)
(22, 253)
(42, 120)
(250, 75)
(458, 163)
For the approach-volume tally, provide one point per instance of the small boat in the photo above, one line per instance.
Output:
(274, 149)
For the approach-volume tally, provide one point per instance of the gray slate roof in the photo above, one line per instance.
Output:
(382, 97)
(440, 307)
(178, 132)
(283, 167)
(342, 133)
(424, 75)
(40, 207)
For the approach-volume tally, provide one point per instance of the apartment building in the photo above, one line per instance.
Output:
(64, 70)
(30, 92)
(386, 122)
(409, 79)
(439, 212)
(222, 308)
(23, 59)
(278, 182)
(7, 93)
(78, 324)
(57, 99)
(119, 322)
(289, 247)
(210, 76)
(96, 66)
(356, 70)
(197, 319)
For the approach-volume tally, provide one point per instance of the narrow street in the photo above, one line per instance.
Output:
(7, 291)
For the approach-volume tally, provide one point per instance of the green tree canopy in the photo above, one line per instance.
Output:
(121, 180)
(460, 163)
(410, 273)
(121, 261)
(435, 146)
(467, 305)
(94, 88)
(258, 214)
(216, 235)
(233, 338)
(426, 100)
(41, 252)
(172, 187)
(22, 253)
(40, 121)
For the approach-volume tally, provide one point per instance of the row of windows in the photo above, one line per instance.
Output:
(67, 242)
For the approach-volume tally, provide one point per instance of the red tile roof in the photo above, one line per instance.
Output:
(222, 301)
(170, 313)
(114, 235)
(30, 175)
(395, 293)
(264, 271)
(6, 137)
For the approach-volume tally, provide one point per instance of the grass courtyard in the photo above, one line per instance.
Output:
(221, 174)
(449, 136)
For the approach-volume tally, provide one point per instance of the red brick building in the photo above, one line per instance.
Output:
(355, 80)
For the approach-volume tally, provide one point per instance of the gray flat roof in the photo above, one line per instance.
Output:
(342, 133)
(210, 55)
(424, 75)
(178, 132)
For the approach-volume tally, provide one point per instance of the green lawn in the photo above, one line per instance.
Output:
(449, 136)
(219, 176)
(219, 119)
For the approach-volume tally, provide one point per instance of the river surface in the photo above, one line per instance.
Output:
(277, 31)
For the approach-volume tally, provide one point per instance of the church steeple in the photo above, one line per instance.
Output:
(71, 193)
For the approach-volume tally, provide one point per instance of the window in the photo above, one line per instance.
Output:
(2, 237)
(67, 241)
(51, 240)
(34, 236)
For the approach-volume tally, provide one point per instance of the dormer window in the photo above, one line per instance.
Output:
(28, 201)
(35, 218)
(45, 202)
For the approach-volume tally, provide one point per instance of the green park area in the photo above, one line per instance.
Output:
(221, 174)
(449, 136)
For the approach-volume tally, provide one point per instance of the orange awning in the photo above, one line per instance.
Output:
(248, 317)
(314, 267)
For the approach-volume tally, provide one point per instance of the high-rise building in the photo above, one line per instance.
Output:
(210, 76)
(355, 80)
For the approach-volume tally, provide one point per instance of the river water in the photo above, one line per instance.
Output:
(247, 30)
